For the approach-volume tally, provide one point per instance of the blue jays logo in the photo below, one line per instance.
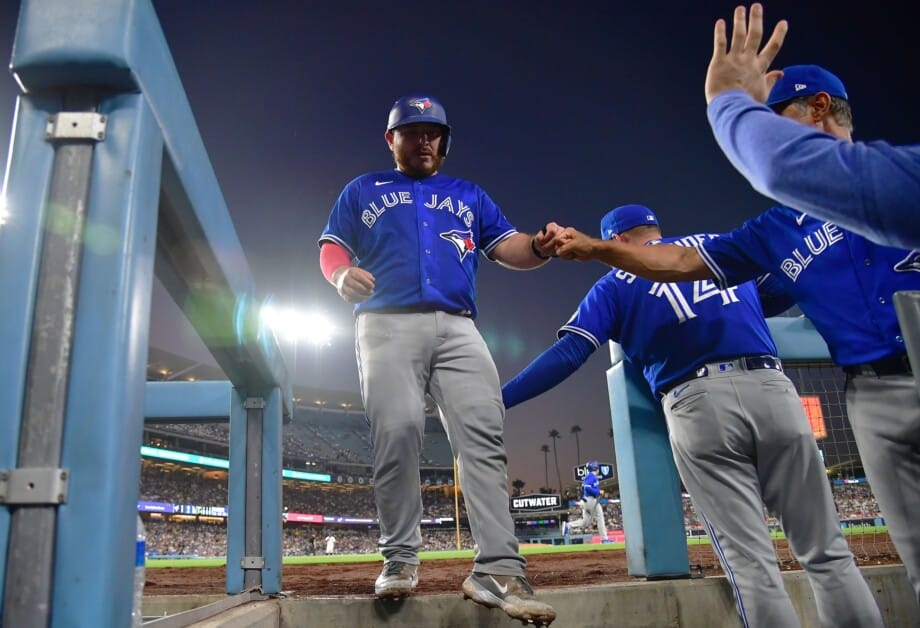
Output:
(422, 104)
(910, 264)
(463, 240)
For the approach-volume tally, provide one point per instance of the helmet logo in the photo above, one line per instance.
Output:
(422, 104)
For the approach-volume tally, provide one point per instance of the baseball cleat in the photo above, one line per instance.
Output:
(512, 594)
(396, 580)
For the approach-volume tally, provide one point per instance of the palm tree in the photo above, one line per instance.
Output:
(545, 450)
(555, 435)
(575, 430)
(518, 486)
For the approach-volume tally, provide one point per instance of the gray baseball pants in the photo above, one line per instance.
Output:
(591, 512)
(741, 440)
(400, 358)
(885, 415)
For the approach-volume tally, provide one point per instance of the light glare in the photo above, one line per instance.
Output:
(296, 326)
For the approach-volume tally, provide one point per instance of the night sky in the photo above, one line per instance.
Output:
(560, 111)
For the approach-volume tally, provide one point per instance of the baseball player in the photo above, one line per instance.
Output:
(738, 431)
(812, 172)
(591, 510)
(844, 284)
(403, 245)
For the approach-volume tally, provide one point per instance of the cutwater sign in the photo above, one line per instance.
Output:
(537, 501)
(605, 471)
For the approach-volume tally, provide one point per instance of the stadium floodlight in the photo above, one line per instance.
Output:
(296, 326)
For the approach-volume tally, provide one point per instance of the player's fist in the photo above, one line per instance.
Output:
(547, 239)
(353, 284)
(573, 244)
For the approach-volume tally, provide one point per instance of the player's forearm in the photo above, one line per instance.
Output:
(662, 262)
(549, 369)
(520, 252)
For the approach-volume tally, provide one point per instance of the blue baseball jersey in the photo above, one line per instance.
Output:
(841, 281)
(669, 329)
(420, 238)
(591, 486)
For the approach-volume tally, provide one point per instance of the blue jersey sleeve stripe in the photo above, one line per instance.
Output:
(335, 240)
(581, 332)
(721, 281)
(488, 250)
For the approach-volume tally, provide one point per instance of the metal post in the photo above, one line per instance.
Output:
(30, 562)
(653, 517)
(253, 560)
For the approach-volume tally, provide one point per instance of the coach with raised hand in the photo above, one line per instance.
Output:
(844, 284)
(870, 188)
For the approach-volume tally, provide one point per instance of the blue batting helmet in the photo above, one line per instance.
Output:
(593, 465)
(415, 109)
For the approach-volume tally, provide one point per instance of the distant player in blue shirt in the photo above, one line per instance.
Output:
(404, 246)
(591, 510)
(738, 430)
(870, 188)
(845, 285)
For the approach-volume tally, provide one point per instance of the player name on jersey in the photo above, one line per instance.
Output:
(537, 501)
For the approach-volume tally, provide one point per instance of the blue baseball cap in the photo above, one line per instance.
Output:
(624, 218)
(805, 80)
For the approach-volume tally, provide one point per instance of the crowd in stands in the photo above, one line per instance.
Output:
(174, 484)
(207, 539)
(339, 442)
(855, 501)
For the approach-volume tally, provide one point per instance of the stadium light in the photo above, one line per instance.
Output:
(296, 326)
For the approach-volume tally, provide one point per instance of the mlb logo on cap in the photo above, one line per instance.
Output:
(624, 218)
(805, 80)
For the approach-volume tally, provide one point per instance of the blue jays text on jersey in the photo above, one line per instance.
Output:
(438, 225)
(671, 328)
(842, 282)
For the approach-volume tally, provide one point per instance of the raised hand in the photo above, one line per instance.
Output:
(742, 65)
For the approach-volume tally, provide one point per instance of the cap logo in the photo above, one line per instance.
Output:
(800, 86)
(422, 104)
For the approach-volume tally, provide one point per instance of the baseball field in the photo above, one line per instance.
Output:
(444, 571)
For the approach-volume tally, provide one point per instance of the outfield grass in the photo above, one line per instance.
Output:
(527, 549)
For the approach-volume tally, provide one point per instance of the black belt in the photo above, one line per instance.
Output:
(749, 363)
(892, 365)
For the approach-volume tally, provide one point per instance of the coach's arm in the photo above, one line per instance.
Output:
(661, 262)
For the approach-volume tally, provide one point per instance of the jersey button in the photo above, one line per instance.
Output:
(428, 280)
(868, 262)
(882, 300)
(427, 251)
(425, 223)
(899, 339)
